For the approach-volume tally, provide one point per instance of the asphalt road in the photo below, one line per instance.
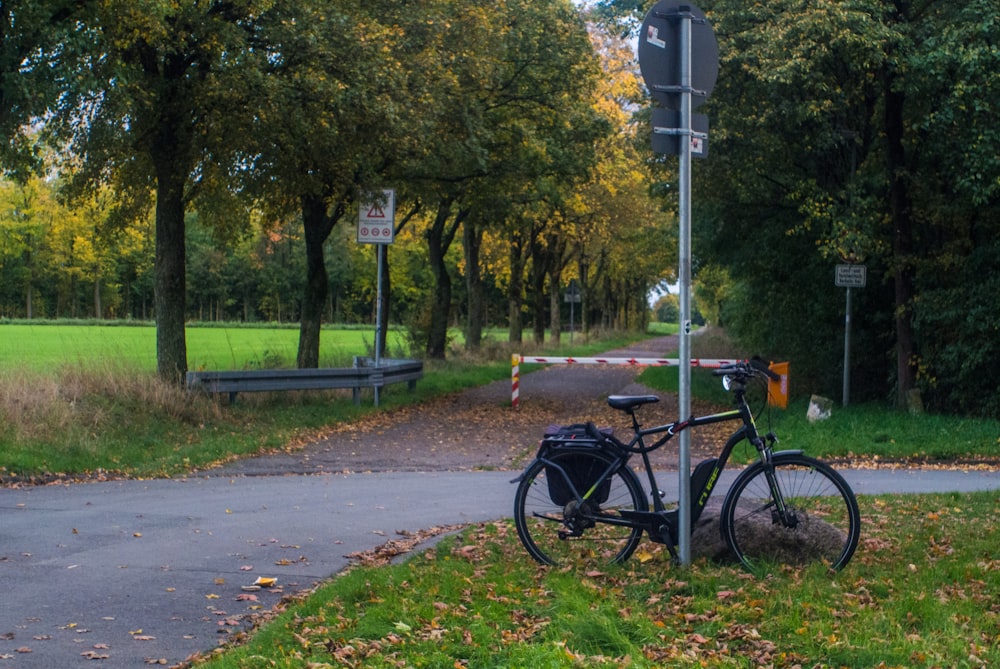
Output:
(125, 574)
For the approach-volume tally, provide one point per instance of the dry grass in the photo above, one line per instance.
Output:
(45, 407)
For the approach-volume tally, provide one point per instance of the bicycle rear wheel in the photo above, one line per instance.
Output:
(565, 532)
(822, 524)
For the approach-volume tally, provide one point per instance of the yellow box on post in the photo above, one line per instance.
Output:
(777, 391)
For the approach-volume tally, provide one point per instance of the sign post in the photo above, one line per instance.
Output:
(849, 276)
(376, 225)
(679, 60)
(573, 297)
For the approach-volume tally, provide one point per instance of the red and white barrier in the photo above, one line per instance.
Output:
(517, 359)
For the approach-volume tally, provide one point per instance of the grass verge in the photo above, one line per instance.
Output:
(921, 591)
(859, 432)
(101, 418)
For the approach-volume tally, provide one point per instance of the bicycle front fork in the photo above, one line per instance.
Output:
(780, 511)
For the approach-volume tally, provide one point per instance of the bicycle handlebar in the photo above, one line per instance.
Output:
(747, 369)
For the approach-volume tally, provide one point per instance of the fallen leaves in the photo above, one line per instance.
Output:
(381, 555)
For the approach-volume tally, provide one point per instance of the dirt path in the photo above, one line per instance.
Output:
(477, 429)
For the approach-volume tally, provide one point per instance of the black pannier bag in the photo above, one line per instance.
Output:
(582, 470)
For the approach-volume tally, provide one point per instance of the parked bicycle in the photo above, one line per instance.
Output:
(579, 500)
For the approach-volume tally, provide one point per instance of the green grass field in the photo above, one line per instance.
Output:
(44, 347)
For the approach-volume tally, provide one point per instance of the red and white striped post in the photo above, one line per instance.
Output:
(515, 379)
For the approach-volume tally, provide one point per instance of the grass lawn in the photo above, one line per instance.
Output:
(921, 592)
(861, 432)
(46, 347)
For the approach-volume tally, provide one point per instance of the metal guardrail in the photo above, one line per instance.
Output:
(364, 374)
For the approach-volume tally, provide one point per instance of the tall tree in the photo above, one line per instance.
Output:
(818, 72)
(331, 91)
(515, 114)
(148, 112)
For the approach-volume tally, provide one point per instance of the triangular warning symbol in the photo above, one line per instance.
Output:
(376, 212)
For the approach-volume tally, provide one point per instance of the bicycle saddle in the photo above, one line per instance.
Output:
(630, 402)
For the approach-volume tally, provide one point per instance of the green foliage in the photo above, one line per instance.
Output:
(510, 122)
(667, 309)
(809, 178)
(35, 38)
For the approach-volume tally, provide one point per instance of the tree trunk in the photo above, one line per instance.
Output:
(555, 317)
(537, 278)
(317, 224)
(439, 238)
(98, 309)
(169, 299)
(557, 262)
(472, 238)
(903, 270)
(515, 292)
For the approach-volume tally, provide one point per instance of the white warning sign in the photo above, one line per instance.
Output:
(376, 217)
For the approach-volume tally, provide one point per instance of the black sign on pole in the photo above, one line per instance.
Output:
(659, 60)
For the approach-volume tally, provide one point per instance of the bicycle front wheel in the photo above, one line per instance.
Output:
(557, 530)
(821, 521)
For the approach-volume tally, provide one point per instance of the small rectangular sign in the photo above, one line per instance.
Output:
(376, 218)
(851, 276)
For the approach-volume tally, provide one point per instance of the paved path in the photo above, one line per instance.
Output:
(146, 570)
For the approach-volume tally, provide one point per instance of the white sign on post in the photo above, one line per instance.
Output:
(851, 276)
(376, 218)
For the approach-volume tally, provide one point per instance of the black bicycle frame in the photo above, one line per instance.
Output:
(660, 523)
(706, 473)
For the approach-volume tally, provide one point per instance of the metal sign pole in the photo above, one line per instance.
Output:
(847, 349)
(684, 370)
(679, 59)
(849, 276)
(380, 250)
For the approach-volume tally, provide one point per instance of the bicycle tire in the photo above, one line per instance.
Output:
(825, 509)
(554, 535)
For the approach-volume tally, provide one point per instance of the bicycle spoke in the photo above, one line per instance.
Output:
(820, 522)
